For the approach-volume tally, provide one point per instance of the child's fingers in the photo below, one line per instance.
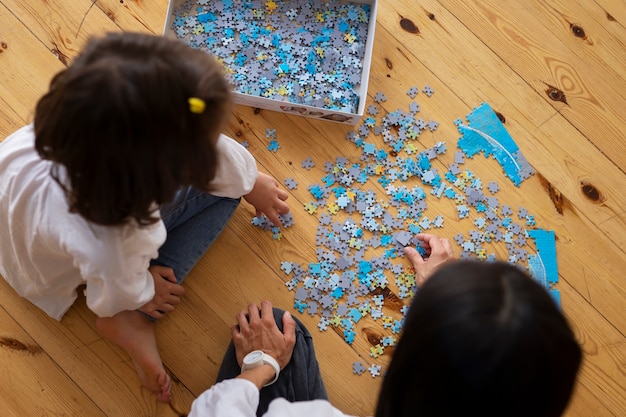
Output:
(169, 275)
(282, 208)
(282, 194)
(273, 217)
(234, 331)
(165, 308)
(163, 271)
(173, 299)
(175, 289)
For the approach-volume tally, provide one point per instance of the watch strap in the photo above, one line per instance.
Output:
(266, 359)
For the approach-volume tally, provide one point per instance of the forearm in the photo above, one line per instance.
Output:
(259, 376)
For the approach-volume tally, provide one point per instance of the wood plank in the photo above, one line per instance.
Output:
(12, 120)
(296, 144)
(604, 354)
(544, 61)
(135, 15)
(91, 362)
(244, 284)
(469, 54)
(611, 296)
(613, 10)
(596, 40)
(62, 26)
(27, 67)
(602, 343)
(28, 372)
(540, 139)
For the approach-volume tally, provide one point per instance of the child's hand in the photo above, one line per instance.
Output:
(438, 251)
(167, 292)
(267, 198)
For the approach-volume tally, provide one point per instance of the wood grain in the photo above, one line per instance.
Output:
(554, 71)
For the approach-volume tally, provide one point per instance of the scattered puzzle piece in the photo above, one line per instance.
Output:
(358, 368)
(412, 92)
(291, 183)
(308, 164)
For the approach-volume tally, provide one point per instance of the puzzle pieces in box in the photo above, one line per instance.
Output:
(305, 53)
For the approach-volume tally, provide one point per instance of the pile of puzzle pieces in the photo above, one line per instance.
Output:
(361, 235)
(302, 51)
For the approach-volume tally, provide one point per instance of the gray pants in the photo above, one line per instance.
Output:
(299, 381)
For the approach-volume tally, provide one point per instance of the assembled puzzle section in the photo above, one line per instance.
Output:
(485, 133)
(305, 57)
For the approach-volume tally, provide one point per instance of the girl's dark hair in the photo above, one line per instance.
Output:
(481, 339)
(118, 125)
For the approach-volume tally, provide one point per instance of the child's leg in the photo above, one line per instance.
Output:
(301, 379)
(193, 221)
(135, 333)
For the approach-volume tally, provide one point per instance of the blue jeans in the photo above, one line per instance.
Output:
(193, 221)
(301, 379)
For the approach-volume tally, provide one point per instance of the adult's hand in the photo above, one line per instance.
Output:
(437, 252)
(258, 331)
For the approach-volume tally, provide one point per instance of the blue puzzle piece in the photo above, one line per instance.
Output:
(543, 266)
(486, 133)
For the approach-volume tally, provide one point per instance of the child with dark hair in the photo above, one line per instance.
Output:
(122, 183)
(479, 339)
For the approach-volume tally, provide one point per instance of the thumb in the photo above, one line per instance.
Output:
(413, 255)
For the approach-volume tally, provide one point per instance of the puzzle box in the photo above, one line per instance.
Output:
(305, 57)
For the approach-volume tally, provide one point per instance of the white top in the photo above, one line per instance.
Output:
(46, 252)
(239, 398)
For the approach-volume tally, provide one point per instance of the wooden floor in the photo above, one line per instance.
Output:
(555, 72)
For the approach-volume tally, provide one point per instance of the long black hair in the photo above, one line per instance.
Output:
(481, 339)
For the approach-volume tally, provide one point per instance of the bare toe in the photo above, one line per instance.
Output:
(134, 333)
(165, 395)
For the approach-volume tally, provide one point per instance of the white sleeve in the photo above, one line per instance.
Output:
(280, 407)
(116, 272)
(236, 169)
(240, 398)
(232, 397)
(106, 298)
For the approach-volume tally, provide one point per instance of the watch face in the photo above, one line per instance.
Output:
(253, 357)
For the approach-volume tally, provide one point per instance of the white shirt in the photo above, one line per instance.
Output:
(239, 397)
(46, 252)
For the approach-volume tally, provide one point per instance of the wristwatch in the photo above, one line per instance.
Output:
(257, 358)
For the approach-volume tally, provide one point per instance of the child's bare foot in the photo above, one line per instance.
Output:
(135, 333)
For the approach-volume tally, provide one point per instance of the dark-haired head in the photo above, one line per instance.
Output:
(117, 122)
(481, 339)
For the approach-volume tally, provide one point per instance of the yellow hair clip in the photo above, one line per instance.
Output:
(196, 105)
